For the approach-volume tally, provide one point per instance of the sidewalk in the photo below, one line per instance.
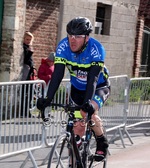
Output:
(135, 155)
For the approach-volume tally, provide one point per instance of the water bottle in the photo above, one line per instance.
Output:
(35, 112)
(79, 142)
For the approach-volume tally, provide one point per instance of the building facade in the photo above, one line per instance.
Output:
(114, 25)
(142, 45)
(41, 18)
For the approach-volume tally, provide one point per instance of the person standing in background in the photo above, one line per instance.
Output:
(28, 72)
(46, 68)
(28, 52)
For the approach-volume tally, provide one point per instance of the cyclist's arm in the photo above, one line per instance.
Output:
(56, 79)
(92, 79)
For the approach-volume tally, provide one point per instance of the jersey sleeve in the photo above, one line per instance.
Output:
(97, 64)
(61, 51)
(59, 69)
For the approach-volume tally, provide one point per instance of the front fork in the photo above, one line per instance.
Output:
(86, 150)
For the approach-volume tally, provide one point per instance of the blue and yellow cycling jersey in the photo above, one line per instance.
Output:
(79, 64)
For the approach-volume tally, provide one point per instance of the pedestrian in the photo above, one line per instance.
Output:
(28, 72)
(84, 57)
(46, 68)
(28, 63)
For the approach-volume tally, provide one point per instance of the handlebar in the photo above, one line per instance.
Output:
(70, 107)
(67, 107)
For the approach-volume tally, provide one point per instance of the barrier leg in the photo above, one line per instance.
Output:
(30, 156)
(128, 135)
(115, 137)
(121, 137)
(147, 133)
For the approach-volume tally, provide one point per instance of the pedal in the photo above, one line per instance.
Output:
(99, 158)
(91, 157)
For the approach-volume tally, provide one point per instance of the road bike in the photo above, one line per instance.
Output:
(65, 152)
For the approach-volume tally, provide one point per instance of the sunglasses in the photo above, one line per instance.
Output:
(76, 36)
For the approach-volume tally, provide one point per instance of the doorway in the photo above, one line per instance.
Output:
(145, 56)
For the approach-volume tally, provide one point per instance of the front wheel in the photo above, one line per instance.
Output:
(62, 154)
(88, 156)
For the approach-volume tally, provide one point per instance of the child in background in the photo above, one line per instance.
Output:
(46, 68)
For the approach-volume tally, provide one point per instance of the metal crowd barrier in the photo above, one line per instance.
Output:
(138, 102)
(20, 132)
(114, 111)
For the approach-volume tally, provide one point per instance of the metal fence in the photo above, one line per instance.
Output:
(138, 102)
(20, 132)
(114, 113)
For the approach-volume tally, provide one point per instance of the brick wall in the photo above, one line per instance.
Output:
(143, 20)
(138, 46)
(144, 8)
(42, 20)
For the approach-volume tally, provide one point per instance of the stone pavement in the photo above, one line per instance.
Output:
(135, 155)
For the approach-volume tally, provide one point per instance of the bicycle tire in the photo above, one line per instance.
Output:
(87, 156)
(59, 156)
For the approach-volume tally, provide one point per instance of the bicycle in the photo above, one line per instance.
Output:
(65, 152)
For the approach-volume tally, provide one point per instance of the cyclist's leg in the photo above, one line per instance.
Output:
(100, 97)
(77, 98)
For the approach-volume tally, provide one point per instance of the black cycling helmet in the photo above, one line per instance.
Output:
(79, 26)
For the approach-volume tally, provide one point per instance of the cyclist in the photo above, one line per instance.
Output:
(84, 57)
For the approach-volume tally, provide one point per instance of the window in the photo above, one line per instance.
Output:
(1, 16)
(145, 55)
(103, 17)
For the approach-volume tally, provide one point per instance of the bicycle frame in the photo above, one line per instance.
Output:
(88, 136)
(80, 159)
(71, 136)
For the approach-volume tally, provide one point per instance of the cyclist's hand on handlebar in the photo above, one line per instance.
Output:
(88, 107)
(42, 103)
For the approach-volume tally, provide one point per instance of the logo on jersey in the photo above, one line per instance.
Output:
(82, 75)
(94, 52)
(62, 47)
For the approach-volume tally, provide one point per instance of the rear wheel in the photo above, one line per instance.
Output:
(62, 154)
